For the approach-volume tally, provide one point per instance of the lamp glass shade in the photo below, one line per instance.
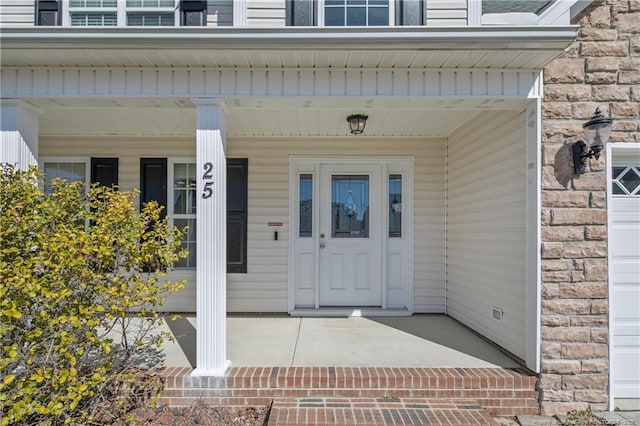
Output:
(357, 122)
(597, 130)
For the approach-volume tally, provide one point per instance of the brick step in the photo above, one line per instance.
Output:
(377, 411)
(503, 392)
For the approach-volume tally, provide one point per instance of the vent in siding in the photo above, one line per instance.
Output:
(496, 313)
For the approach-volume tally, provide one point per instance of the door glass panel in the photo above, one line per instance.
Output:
(350, 206)
(306, 205)
(395, 206)
(184, 188)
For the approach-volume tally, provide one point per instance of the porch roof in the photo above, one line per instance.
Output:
(496, 47)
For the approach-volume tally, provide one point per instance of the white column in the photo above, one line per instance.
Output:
(211, 226)
(19, 137)
(533, 274)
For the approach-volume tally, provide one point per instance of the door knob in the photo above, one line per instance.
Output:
(322, 245)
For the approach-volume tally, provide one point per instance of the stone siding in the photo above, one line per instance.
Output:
(601, 69)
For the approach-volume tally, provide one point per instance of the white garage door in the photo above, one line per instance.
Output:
(624, 237)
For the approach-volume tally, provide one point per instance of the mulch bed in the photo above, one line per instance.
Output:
(200, 413)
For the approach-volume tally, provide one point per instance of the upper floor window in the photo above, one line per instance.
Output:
(93, 13)
(111, 13)
(352, 13)
(356, 12)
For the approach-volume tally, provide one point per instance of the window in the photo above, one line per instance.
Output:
(182, 206)
(71, 170)
(172, 183)
(395, 206)
(92, 13)
(306, 205)
(150, 13)
(95, 170)
(626, 180)
(126, 12)
(356, 12)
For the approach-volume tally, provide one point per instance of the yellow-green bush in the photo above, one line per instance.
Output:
(76, 267)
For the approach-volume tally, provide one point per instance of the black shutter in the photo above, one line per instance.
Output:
(410, 12)
(193, 13)
(104, 171)
(301, 13)
(237, 189)
(47, 13)
(153, 181)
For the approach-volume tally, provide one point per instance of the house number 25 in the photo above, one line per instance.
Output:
(207, 178)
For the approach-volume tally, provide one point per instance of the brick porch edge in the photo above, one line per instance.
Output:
(503, 392)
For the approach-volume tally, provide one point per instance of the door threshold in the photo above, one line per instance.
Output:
(349, 311)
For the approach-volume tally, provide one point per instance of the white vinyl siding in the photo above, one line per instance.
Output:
(266, 13)
(129, 152)
(486, 226)
(446, 13)
(17, 13)
(265, 286)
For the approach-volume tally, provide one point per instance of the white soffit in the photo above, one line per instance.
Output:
(265, 117)
(502, 47)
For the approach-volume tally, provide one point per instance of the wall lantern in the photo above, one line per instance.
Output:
(596, 132)
(357, 123)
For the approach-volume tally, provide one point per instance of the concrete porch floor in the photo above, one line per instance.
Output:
(268, 341)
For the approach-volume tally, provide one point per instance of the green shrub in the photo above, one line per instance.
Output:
(81, 278)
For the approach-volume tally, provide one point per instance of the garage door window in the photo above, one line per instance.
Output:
(626, 180)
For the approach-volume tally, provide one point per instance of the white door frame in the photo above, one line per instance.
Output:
(390, 165)
(618, 148)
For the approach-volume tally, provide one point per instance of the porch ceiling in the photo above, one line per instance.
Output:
(253, 117)
(373, 47)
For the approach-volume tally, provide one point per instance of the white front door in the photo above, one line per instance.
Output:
(350, 243)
